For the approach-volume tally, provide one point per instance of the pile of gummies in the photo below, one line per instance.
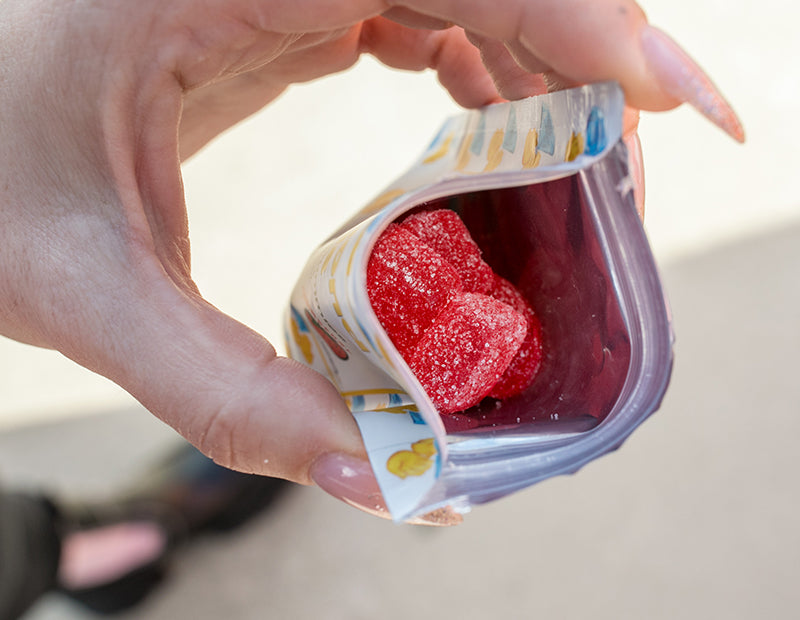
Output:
(465, 332)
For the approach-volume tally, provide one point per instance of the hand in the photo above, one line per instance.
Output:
(100, 103)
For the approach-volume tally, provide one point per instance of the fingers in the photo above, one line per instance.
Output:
(581, 41)
(412, 19)
(210, 110)
(563, 42)
(516, 76)
(568, 41)
(448, 52)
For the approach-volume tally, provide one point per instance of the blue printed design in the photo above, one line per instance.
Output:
(416, 417)
(596, 139)
(480, 134)
(547, 133)
(301, 322)
(510, 139)
(366, 334)
(437, 138)
(395, 400)
(358, 403)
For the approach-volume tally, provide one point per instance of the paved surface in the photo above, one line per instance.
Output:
(695, 517)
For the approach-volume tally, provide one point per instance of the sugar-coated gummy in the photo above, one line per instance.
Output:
(466, 350)
(525, 364)
(444, 231)
(464, 331)
(408, 284)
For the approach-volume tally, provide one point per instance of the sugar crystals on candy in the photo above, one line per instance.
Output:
(444, 231)
(466, 350)
(464, 331)
(408, 285)
(523, 368)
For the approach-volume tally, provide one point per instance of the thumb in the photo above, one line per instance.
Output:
(217, 382)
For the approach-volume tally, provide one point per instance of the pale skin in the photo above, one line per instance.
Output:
(102, 101)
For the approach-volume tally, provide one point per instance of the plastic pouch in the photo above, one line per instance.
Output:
(544, 189)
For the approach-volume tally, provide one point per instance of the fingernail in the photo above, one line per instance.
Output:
(350, 480)
(681, 77)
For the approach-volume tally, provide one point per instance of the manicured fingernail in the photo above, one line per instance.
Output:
(351, 480)
(681, 77)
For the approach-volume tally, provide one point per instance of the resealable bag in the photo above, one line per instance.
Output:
(544, 188)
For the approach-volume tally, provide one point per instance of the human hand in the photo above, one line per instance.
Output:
(100, 103)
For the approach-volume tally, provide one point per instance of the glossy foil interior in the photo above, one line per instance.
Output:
(541, 238)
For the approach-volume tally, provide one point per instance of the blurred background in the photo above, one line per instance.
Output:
(695, 516)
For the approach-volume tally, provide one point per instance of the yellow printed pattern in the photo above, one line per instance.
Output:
(413, 462)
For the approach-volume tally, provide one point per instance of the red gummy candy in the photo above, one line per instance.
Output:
(444, 231)
(466, 350)
(525, 365)
(425, 280)
(408, 285)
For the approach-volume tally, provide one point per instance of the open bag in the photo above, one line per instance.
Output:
(543, 186)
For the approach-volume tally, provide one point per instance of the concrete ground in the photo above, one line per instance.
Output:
(695, 517)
